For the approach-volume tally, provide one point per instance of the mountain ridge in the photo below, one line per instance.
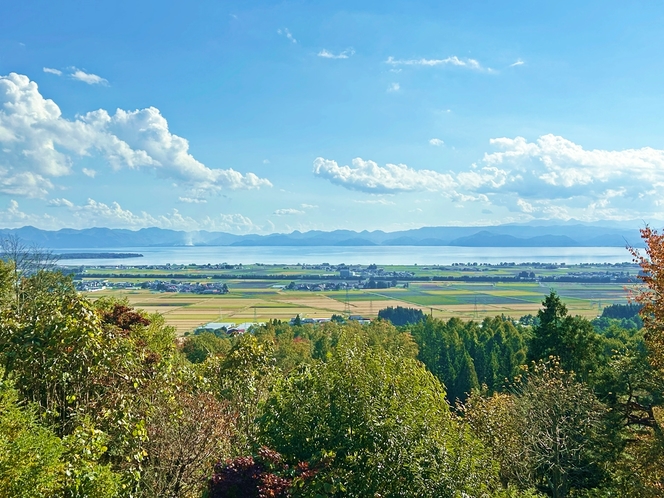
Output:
(578, 235)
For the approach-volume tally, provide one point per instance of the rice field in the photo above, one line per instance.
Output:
(259, 300)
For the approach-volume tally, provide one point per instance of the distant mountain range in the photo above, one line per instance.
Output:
(563, 235)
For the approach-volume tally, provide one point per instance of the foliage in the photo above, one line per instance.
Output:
(644, 410)
(85, 476)
(628, 310)
(187, 432)
(197, 348)
(570, 338)
(546, 433)
(243, 380)
(382, 422)
(493, 419)
(54, 348)
(259, 476)
(464, 356)
(401, 316)
(561, 420)
(30, 455)
(651, 295)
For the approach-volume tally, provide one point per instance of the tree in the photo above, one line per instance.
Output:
(646, 448)
(651, 295)
(545, 433)
(187, 433)
(30, 455)
(23, 261)
(200, 346)
(242, 380)
(262, 475)
(493, 420)
(559, 422)
(380, 420)
(570, 338)
(53, 346)
(465, 356)
(401, 316)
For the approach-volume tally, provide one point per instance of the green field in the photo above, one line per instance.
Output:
(256, 296)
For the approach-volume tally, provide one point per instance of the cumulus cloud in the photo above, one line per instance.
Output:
(436, 142)
(394, 87)
(192, 200)
(448, 61)
(367, 176)
(349, 52)
(563, 168)
(551, 177)
(308, 206)
(60, 203)
(286, 32)
(13, 217)
(113, 215)
(558, 176)
(39, 145)
(89, 78)
(383, 202)
(288, 212)
(89, 172)
(50, 70)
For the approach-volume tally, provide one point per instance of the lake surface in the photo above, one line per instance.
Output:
(382, 255)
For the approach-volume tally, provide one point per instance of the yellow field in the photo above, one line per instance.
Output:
(258, 301)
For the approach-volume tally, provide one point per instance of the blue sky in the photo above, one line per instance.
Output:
(277, 116)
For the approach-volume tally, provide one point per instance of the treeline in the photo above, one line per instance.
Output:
(383, 282)
(98, 399)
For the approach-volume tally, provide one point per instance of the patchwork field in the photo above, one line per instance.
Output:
(259, 300)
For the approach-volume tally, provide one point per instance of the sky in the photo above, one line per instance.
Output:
(261, 117)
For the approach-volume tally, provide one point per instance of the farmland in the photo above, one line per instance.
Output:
(258, 293)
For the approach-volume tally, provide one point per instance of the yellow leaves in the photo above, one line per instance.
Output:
(658, 413)
(651, 296)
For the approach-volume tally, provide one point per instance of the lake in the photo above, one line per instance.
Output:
(382, 255)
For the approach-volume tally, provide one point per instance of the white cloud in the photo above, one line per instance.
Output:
(394, 87)
(367, 176)
(526, 207)
(288, 212)
(563, 166)
(94, 213)
(308, 206)
(38, 145)
(266, 161)
(349, 52)
(518, 62)
(192, 200)
(383, 202)
(451, 61)
(13, 217)
(89, 78)
(60, 203)
(286, 32)
(436, 142)
(555, 177)
(50, 70)
(89, 172)
(551, 177)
